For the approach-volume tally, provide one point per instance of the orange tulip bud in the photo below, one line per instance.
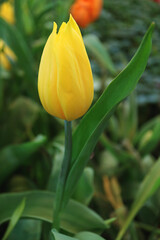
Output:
(86, 11)
(96, 7)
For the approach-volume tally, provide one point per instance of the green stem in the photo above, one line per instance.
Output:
(63, 175)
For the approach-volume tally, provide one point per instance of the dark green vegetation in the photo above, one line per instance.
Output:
(123, 171)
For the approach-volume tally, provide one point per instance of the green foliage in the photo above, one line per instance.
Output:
(14, 219)
(122, 179)
(14, 156)
(88, 235)
(14, 39)
(149, 185)
(39, 205)
(94, 123)
(59, 236)
(98, 50)
(85, 188)
(28, 229)
(122, 25)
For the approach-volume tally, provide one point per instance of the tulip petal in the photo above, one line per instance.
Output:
(47, 79)
(75, 82)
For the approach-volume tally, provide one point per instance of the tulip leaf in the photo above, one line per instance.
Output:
(28, 229)
(59, 236)
(11, 157)
(148, 186)
(88, 236)
(94, 45)
(39, 205)
(14, 219)
(24, 19)
(94, 122)
(85, 187)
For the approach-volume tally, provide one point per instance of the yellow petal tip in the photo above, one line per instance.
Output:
(54, 27)
(71, 19)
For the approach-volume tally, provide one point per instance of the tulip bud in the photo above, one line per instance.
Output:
(5, 53)
(7, 12)
(86, 11)
(65, 82)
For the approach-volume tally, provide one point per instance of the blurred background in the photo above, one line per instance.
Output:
(31, 141)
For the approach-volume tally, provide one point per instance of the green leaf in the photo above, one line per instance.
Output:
(94, 45)
(56, 167)
(25, 17)
(150, 143)
(14, 219)
(23, 116)
(127, 116)
(146, 127)
(59, 236)
(47, 7)
(148, 137)
(149, 185)
(19, 15)
(85, 187)
(95, 121)
(11, 157)
(88, 236)
(39, 205)
(1, 88)
(28, 229)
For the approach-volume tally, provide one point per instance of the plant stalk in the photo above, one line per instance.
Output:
(63, 175)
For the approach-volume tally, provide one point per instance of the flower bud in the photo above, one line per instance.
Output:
(65, 82)
(5, 53)
(7, 12)
(86, 11)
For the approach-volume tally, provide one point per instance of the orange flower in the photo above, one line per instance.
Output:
(86, 11)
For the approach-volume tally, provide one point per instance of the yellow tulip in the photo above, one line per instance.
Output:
(5, 52)
(65, 82)
(7, 12)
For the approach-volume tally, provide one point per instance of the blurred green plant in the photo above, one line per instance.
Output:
(124, 161)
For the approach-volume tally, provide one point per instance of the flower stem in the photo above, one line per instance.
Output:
(63, 175)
